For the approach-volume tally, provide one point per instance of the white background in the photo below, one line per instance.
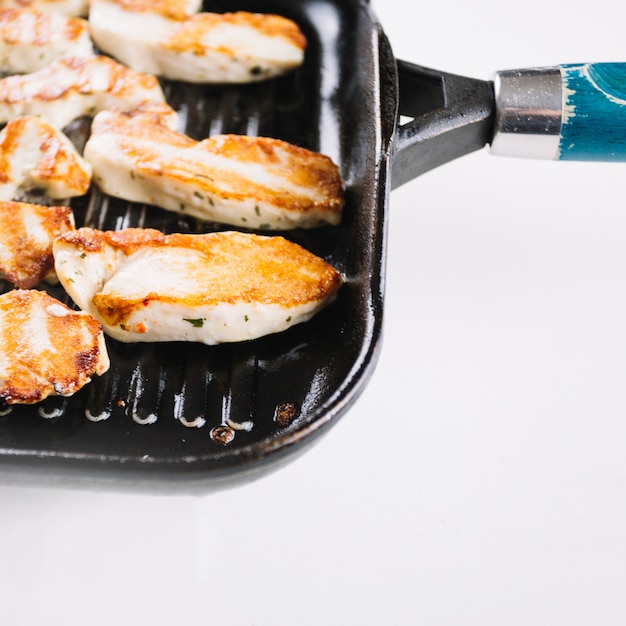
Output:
(497, 495)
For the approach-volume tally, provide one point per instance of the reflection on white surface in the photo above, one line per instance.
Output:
(481, 477)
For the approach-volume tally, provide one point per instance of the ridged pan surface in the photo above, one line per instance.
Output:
(170, 411)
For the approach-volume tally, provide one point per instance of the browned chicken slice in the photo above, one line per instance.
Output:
(163, 38)
(46, 348)
(211, 288)
(171, 9)
(254, 182)
(73, 87)
(36, 155)
(30, 40)
(26, 235)
(63, 7)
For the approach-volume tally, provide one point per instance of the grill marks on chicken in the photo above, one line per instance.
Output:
(211, 288)
(36, 155)
(70, 88)
(46, 348)
(171, 9)
(165, 39)
(30, 40)
(253, 182)
(71, 8)
(26, 235)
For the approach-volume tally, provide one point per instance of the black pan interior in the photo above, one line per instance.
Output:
(193, 412)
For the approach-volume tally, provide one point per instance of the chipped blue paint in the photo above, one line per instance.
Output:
(594, 112)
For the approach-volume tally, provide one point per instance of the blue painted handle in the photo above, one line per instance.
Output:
(594, 112)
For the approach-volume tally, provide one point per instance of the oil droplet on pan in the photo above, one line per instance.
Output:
(222, 434)
(285, 413)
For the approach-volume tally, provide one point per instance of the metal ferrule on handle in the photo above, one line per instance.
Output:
(570, 112)
(529, 107)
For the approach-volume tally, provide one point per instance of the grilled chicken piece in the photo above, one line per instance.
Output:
(71, 8)
(46, 348)
(26, 235)
(254, 182)
(210, 288)
(36, 155)
(30, 40)
(70, 88)
(160, 38)
(171, 9)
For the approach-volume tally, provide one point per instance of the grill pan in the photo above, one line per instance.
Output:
(182, 415)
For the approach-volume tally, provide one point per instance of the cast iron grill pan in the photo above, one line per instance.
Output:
(167, 412)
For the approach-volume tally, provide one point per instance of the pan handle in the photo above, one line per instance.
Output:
(567, 112)
(451, 116)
